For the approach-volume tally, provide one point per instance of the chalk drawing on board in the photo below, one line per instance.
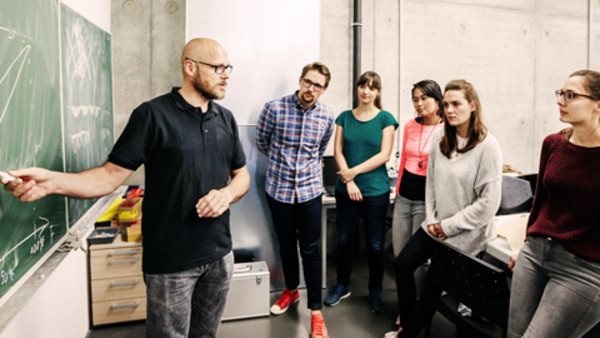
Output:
(20, 60)
(87, 98)
(36, 242)
(80, 53)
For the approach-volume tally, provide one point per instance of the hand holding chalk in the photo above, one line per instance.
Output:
(6, 177)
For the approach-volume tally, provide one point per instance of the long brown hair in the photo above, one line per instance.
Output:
(477, 130)
(373, 80)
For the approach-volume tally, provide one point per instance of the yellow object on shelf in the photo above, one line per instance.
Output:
(134, 233)
(129, 216)
(130, 210)
(112, 210)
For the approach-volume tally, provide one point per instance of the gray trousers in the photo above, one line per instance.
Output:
(188, 303)
(407, 218)
(554, 293)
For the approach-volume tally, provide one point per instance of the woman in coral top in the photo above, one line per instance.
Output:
(556, 284)
(409, 205)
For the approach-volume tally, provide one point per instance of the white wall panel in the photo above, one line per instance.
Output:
(269, 41)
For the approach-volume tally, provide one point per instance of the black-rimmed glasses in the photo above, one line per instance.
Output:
(569, 95)
(219, 69)
(308, 83)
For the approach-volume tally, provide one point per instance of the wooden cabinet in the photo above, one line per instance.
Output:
(117, 288)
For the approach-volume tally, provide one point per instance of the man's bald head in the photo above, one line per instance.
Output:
(205, 67)
(201, 49)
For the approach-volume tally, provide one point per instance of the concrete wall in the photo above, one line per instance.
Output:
(514, 52)
(147, 40)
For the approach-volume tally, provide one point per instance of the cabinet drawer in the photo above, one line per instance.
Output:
(118, 288)
(119, 311)
(115, 266)
(117, 252)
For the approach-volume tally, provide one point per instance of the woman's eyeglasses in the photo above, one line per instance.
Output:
(569, 95)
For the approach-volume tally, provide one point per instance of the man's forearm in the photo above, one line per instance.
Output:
(95, 182)
(239, 184)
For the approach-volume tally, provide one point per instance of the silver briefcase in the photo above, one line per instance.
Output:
(249, 291)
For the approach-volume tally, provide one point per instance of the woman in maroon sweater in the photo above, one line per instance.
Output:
(556, 283)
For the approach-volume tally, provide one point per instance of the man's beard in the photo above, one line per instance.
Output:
(203, 89)
(305, 102)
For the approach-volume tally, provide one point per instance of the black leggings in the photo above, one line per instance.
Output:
(417, 251)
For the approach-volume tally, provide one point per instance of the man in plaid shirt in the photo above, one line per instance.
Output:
(293, 131)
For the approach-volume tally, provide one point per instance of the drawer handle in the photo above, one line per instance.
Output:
(123, 261)
(122, 284)
(123, 252)
(124, 306)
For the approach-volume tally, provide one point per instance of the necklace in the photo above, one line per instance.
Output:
(425, 143)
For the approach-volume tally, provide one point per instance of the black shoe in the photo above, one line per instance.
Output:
(375, 301)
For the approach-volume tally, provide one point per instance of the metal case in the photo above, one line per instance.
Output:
(249, 291)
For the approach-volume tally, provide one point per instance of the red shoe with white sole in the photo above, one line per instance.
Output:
(283, 303)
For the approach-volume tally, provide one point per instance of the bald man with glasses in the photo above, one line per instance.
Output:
(195, 168)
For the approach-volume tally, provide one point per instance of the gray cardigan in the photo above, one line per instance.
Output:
(462, 193)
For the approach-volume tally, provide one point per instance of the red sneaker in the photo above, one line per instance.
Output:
(283, 303)
(317, 326)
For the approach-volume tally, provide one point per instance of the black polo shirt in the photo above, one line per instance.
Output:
(186, 153)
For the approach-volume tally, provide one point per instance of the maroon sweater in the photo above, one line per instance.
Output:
(567, 198)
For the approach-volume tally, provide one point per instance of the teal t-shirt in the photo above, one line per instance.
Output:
(361, 141)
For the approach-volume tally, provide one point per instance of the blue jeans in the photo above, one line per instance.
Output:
(372, 210)
(408, 216)
(554, 293)
(300, 224)
(188, 303)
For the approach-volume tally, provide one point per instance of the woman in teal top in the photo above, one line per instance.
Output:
(364, 138)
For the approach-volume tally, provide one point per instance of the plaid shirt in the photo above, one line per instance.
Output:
(294, 139)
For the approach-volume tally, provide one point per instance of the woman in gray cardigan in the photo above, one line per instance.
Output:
(462, 195)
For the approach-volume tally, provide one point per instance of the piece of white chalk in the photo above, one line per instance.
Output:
(6, 176)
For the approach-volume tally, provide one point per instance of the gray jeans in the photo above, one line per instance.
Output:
(188, 303)
(554, 293)
(407, 218)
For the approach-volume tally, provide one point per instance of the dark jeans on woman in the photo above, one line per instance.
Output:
(423, 310)
(300, 223)
(372, 210)
(417, 251)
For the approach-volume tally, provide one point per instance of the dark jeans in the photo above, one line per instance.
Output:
(300, 223)
(423, 311)
(372, 210)
(419, 248)
(189, 303)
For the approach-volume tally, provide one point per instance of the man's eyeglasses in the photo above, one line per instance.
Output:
(308, 83)
(569, 95)
(219, 69)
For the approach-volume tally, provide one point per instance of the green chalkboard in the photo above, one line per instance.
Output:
(37, 130)
(30, 130)
(87, 98)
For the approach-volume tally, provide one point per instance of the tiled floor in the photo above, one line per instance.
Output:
(351, 318)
